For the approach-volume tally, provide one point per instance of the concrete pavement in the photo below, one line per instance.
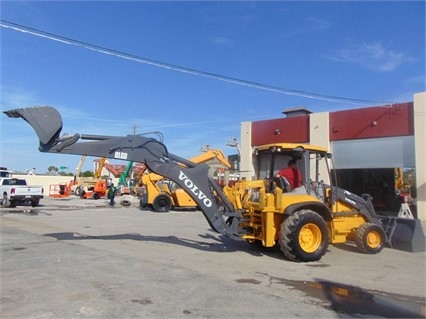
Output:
(73, 258)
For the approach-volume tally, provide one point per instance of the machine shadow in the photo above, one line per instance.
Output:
(208, 242)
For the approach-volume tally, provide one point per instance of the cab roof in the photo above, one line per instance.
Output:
(292, 147)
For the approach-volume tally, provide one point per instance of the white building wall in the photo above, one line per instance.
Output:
(420, 151)
(246, 158)
(320, 136)
(319, 129)
(44, 180)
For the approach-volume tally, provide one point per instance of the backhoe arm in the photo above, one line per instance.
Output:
(193, 178)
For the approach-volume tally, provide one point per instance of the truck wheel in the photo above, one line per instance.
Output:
(4, 200)
(7, 202)
(370, 238)
(35, 202)
(303, 236)
(10, 203)
(162, 203)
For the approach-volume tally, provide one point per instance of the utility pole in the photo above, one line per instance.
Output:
(134, 129)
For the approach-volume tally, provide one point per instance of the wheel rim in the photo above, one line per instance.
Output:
(373, 239)
(163, 202)
(310, 237)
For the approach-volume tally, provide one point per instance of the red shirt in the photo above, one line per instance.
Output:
(293, 175)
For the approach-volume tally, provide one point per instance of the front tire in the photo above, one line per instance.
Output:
(162, 203)
(370, 238)
(303, 236)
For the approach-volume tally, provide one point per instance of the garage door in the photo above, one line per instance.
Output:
(374, 153)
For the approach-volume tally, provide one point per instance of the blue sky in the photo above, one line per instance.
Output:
(371, 51)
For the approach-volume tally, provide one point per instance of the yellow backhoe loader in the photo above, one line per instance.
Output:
(263, 211)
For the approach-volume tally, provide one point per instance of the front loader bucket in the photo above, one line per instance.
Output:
(45, 120)
(404, 233)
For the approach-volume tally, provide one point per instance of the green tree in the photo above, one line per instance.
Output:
(52, 170)
(87, 174)
(62, 173)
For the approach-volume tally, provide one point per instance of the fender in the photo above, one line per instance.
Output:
(317, 207)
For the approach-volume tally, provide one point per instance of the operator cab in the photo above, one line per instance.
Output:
(311, 162)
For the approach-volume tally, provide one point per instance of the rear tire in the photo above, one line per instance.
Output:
(8, 203)
(370, 238)
(162, 203)
(303, 236)
(35, 203)
(4, 200)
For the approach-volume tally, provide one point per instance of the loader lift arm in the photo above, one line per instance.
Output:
(193, 178)
(363, 204)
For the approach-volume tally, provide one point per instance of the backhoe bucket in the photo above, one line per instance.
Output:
(45, 120)
(404, 233)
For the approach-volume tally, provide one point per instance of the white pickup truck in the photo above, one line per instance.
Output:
(15, 191)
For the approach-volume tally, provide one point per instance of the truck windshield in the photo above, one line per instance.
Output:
(14, 182)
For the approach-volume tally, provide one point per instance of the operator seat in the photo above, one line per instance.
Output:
(283, 183)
